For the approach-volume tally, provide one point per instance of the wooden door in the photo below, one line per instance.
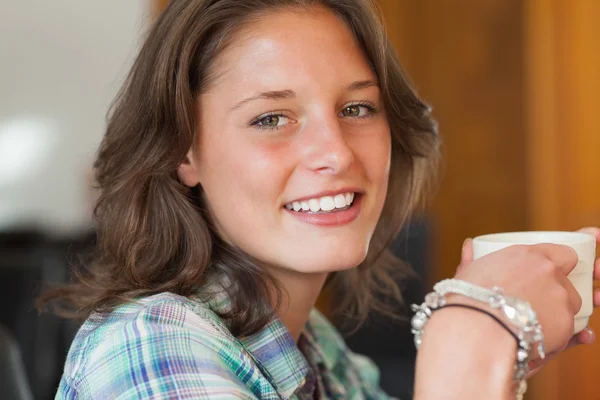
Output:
(515, 86)
(562, 52)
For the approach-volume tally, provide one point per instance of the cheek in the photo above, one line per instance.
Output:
(260, 173)
(383, 158)
(375, 155)
(242, 182)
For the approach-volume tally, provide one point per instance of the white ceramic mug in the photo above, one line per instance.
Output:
(582, 277)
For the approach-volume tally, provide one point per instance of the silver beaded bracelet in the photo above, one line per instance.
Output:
(518, 312)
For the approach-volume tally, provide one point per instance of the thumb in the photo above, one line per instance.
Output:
(466, 256)
(591, 231)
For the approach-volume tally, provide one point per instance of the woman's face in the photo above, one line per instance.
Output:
(294, 146)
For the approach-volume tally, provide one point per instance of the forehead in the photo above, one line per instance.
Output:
(307, 47)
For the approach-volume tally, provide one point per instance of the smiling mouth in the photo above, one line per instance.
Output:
(323, 205)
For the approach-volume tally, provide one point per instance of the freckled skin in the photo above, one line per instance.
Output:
(322, 138)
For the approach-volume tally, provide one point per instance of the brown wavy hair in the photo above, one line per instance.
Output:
(153, 233)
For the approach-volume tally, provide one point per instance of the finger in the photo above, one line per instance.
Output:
(597, 269)
(564, 257)
(467, 251)
(573, 296)
(466, 254)
(536, 365)
(597, 298)
(586, 336)
(591, 231)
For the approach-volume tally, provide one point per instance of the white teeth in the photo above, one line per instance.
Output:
(314, 205)
(349, 198)
(325, 203)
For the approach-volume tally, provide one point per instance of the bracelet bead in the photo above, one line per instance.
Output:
(518, 312)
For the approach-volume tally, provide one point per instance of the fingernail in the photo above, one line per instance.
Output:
(591, 336)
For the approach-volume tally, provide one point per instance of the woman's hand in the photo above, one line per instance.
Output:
(586, 336)
(458, 344)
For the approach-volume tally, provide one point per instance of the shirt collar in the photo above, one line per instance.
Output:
(272, 348)
(276, 352)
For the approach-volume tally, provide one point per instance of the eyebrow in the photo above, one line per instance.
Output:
(288, 93)
(272, 95)
(358, 85)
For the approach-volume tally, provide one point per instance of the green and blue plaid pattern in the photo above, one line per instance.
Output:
(172, 347)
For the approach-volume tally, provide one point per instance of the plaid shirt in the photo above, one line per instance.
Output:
(169, 346)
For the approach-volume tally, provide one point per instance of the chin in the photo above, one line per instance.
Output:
(328, 261)
(340, 251)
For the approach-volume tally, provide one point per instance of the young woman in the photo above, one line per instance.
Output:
(259, 150)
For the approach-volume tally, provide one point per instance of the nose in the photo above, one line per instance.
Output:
(327, 150)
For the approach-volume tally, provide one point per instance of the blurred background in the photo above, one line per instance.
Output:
(513, 83)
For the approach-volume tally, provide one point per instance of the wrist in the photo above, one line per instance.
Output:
(469, 354)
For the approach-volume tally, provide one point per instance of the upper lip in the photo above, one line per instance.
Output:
(327, 193)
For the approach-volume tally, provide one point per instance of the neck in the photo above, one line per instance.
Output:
(300, 293)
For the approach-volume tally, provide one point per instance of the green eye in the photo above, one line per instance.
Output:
(358, 110)
(270, 121)
(351, 111)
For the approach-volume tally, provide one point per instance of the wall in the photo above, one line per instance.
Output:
(61, 63)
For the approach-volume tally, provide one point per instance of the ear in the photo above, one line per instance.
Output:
(187, 172)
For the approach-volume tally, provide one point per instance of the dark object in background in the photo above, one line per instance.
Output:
(27, 259)
(13, 380)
